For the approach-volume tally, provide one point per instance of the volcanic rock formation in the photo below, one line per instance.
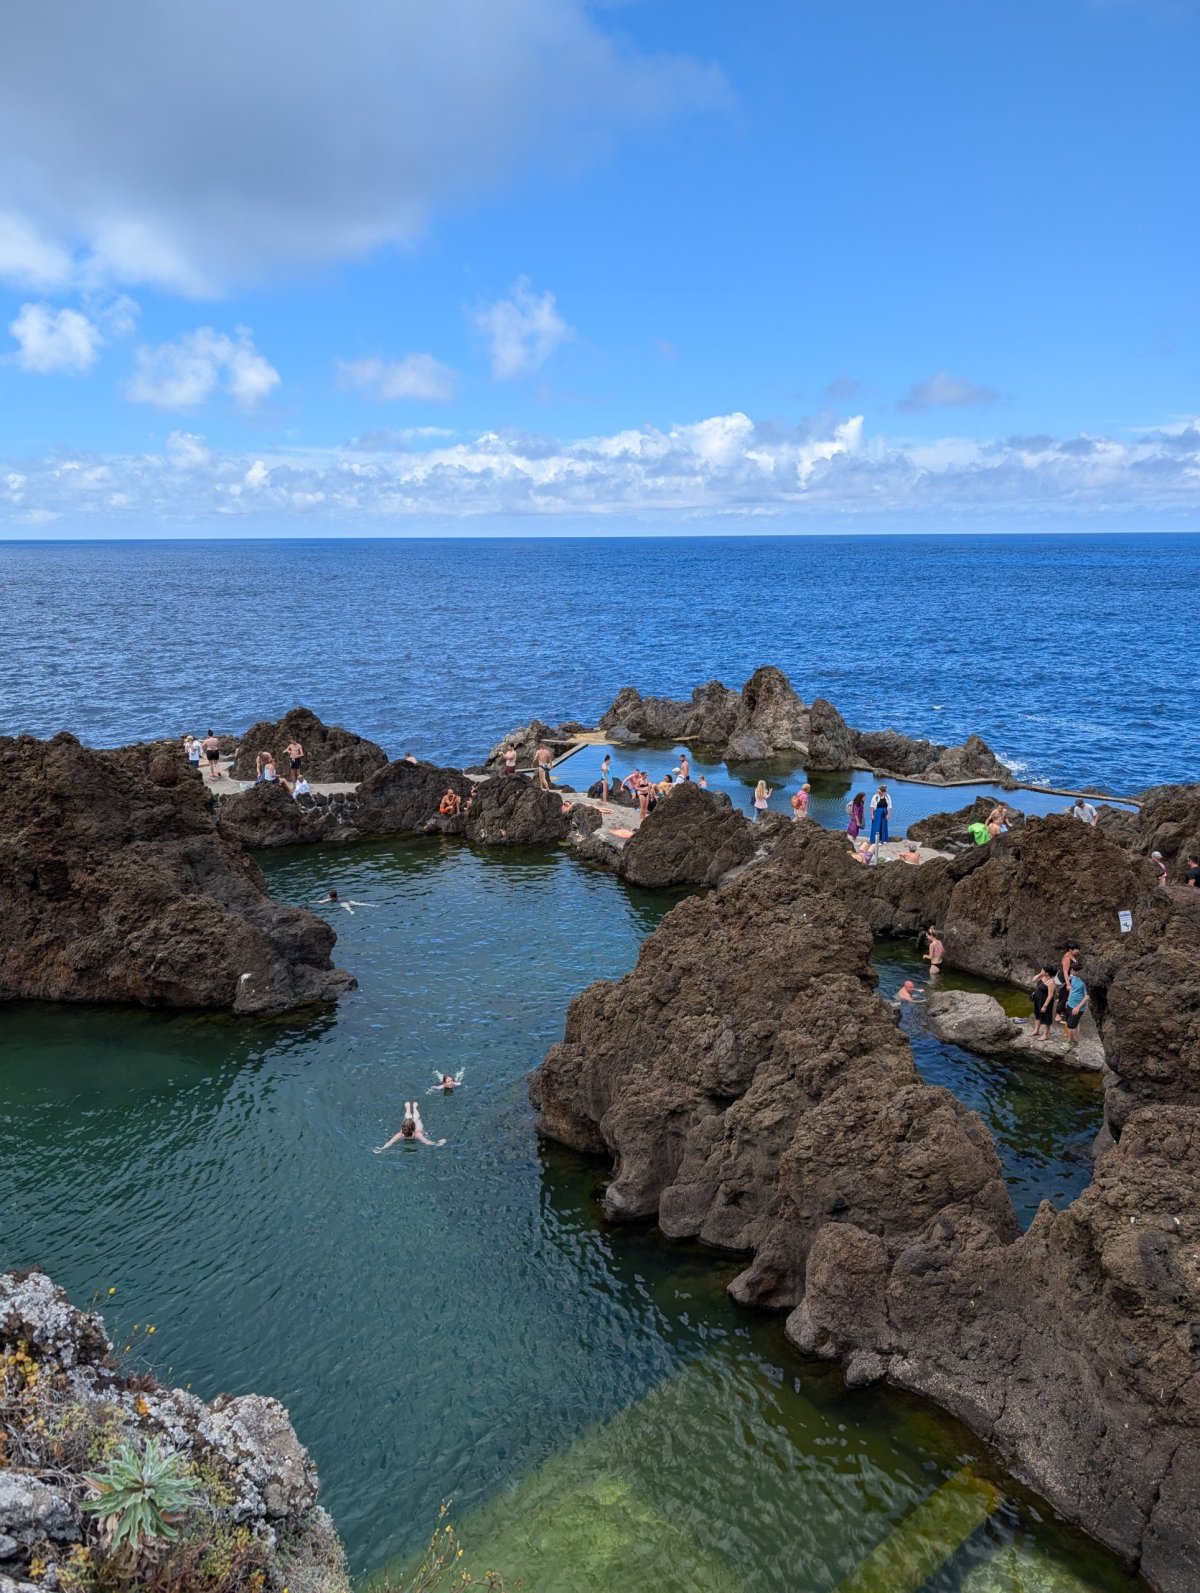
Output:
(692, 837)
(330, 753)
(949, 832)
(115, 886)
(767, 718)
(754, 1094)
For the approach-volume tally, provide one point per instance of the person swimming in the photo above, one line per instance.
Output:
(411, 1129)
(334, 900)
(447, 1084)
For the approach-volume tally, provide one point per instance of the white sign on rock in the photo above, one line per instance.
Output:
(1125, 919)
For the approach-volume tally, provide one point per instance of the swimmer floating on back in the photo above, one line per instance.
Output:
(411, 1128)
(333, 898)
(446, 1084)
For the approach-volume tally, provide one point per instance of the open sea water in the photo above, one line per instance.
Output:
(460, 1322)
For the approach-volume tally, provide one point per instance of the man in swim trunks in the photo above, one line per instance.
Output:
(542, 759)
(294, 753)
(212, 751)
(510, 759)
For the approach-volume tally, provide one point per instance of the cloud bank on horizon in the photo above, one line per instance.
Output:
(577, 260)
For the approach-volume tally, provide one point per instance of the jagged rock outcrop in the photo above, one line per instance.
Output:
(767, 718)
(707, 717)
(832, 745)
(528, 738)
(331, 754)
(748, 1084)
(771, 719)
(618, 796)
(949, 832)
(889, 752)
(403, 799)
(1169, 822)
(691, 838)
(116, 886)
(516, 812)
(1072, 1351)
(977, 1022)
(68, 1403)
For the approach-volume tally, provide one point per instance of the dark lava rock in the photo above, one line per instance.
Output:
(771, 719)
(949, 832)
(528, 738)
(330, 753)
(267, 816)
(746, 1081)
(832, 745)
(115, 886)
(908, 757)
(403, 799)
(690, 838)
(707, 718)
(618, 796)
(516, 812)
(1169, 822)
(1069, 1350)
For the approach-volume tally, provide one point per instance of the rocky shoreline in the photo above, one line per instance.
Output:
(251, 1523)
(748, 1084)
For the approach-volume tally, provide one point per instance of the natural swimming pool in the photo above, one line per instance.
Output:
(459, 1322)
(911, 800)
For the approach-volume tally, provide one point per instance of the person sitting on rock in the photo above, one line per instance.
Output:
(411, 1129)
(268, 774)
(910, 991)
(301, 787)
(910, 852)
(997, 821)
(451, 804)
(410, 757)
(446, 1084)
(935, 953)
(862, 850)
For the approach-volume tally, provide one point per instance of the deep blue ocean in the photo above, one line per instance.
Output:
(1073, 656)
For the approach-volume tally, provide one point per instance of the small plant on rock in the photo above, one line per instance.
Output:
(140, 1491)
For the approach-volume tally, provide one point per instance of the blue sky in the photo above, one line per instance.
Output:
(433, 265)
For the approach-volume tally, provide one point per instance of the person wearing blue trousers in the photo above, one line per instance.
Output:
(881, 807)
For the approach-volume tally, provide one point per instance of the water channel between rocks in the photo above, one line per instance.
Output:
(459, 1322)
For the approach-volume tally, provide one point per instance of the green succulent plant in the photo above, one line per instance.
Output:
(141, 1489)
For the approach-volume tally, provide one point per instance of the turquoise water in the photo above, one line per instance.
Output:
(458, 1322)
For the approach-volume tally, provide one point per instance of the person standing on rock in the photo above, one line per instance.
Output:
(1043, 1004)
(881, 809)
(542, 759)
(294, 753)
(1077, 999)
(1157, 859)
(685, 768)
(212, 751)
(1082, 809)
(605, 781)
(510, 759)
(800, 803)
(856, 809)
(1191, 874)
(192, 747)
(1067, 966)
(762, 795)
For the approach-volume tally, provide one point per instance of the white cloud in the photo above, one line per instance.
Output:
(524, 330)
(188, 373)
(942, 389)
(728, 467)
(55, 342)
(27, 259)
(415, 376)
(194, 146)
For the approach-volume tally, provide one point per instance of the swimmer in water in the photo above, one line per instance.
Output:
(411, 1128)
(336, 901)
(446, 1084)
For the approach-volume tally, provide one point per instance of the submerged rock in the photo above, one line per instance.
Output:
(69, 1404)
(331, 754)
(116, 886)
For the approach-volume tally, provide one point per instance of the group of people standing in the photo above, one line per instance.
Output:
(1060, 996)
(265, 770)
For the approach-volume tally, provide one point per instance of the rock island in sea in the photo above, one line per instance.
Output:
(749, 1086)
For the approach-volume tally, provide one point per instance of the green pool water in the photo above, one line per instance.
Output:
(459, 1323)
